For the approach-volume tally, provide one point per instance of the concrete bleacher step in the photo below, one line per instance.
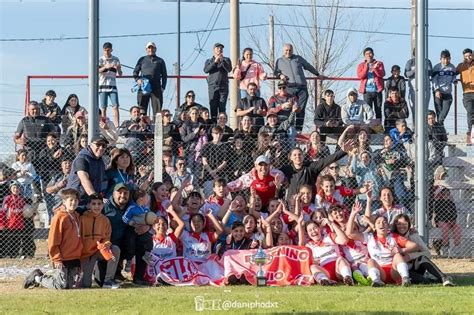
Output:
(459, 161)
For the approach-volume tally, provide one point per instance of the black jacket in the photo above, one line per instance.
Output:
(307, 174)
(324, 112)
(154, 69)
(218, 72)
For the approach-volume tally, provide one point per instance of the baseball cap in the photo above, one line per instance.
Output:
(218, 45)
(120, 186)
(80, 114)
(262, 159)
(150, 44)
(50, 93)
(14, 183)
(99, 138)
(281, 83)
(271, 112)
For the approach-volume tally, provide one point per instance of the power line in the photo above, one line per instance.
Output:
(347, 6)
(216, 29)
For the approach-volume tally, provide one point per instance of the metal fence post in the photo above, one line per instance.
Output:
(158, 149)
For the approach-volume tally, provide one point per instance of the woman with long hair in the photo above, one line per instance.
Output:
(249, 71)
(419, 261)
(70, 109)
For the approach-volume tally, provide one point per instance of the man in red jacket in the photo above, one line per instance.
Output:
(371, 73)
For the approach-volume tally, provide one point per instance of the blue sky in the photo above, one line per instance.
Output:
(61, 18)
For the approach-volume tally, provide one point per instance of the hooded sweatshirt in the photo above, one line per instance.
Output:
(356, 113)
(64, 239)
(94, 228)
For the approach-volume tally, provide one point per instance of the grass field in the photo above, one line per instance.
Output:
(185, 300)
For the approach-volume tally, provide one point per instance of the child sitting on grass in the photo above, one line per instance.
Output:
(64, 247)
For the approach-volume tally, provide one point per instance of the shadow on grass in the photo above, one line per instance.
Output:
(464, 279)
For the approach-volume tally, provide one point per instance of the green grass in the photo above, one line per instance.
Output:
(315, 299)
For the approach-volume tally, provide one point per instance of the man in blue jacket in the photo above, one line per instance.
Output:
(218, 68)
(152, 68)
(88, 171)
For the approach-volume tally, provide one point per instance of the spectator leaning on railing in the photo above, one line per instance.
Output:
(466, 71)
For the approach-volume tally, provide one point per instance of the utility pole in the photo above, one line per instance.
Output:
(178, 72)
(413, 27)
(93, 128)
(234, 57)
(421, 113)
(271, 44)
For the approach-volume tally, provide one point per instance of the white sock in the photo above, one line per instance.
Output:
(364, 269)
(320, 276)
(37, 279)
(374, 274)
(402, 269)
(346, 271)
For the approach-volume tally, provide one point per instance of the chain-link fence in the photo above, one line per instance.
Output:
(32, 173)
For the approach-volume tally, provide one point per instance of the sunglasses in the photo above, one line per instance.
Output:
(190, 95)
(166, 115)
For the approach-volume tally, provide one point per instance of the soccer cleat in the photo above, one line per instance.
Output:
(377, 284)
(359, 278)
(406, 282)
(110, 284)
(447, 282)
(30, 281)
(348, 281)
(326, 282)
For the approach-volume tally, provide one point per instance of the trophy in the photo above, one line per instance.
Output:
(260, 259)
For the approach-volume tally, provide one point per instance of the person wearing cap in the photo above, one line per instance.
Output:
(371, 73)
(276, 129)
(218, 67)
(264, 179)
(50, 109)
(282, 102)
(466, 71)
(32, 131)
(76, 129)
(109, 67)
(290, 69)
(152, 68)
(87, 175)
(356, 111)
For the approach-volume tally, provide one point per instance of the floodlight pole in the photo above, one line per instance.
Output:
(93, 119)
(421, 114)
(234, 56)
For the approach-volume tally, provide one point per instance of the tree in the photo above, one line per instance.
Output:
(323, 36)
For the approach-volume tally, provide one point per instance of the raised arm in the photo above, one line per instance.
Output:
(351, 230)
(180, 228)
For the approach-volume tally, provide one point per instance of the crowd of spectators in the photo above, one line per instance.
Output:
(259, 178)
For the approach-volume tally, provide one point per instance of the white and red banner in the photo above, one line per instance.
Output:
(285, 265)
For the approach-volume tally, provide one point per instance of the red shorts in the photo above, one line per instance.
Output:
(330, 267)
(388, 274)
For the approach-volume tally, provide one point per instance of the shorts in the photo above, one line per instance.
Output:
(330, 267)
(104, 99)
(387, 269)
